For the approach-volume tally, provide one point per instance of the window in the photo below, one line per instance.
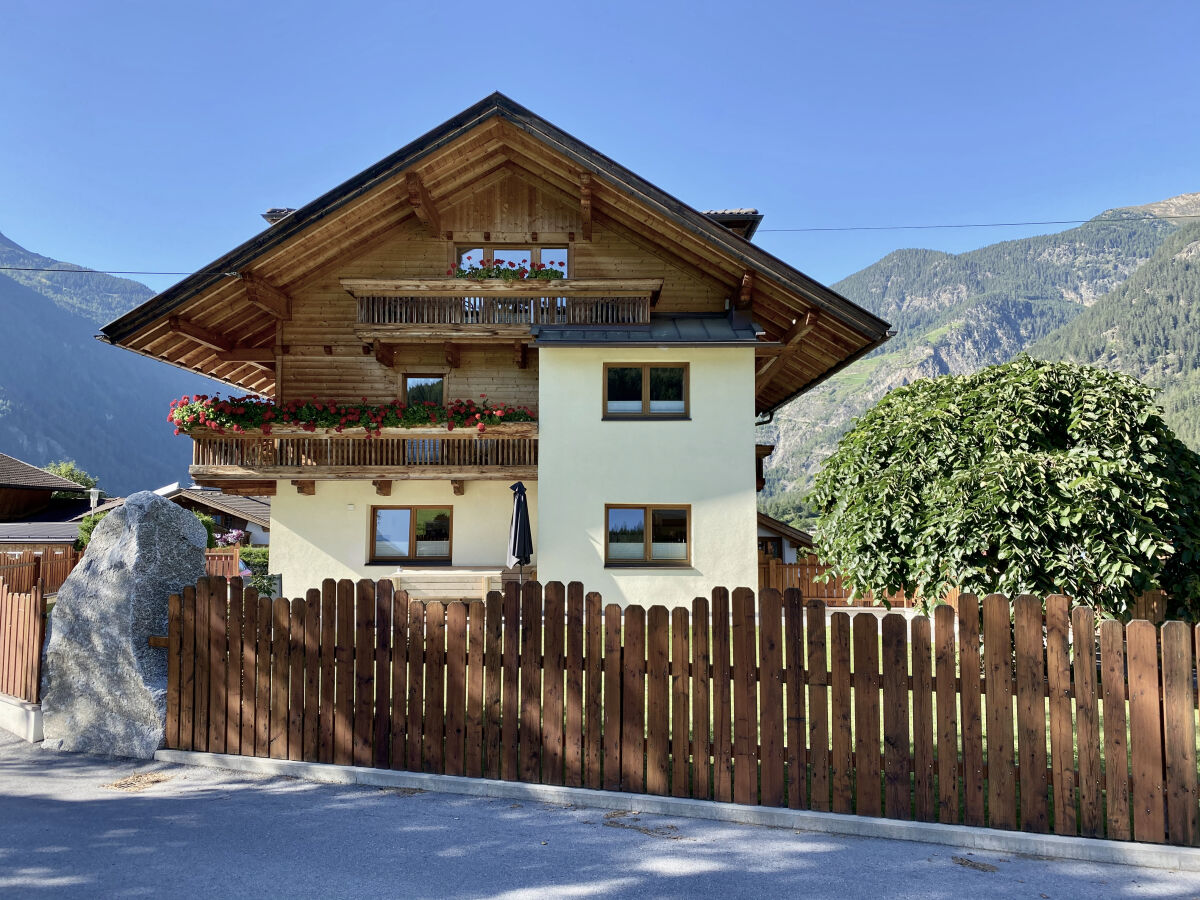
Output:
(519, 257)
(414, 533)
(647, 535)
(425, 388)
(649, 390)
(771, 547)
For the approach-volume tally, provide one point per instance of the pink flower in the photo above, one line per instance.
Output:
(481, 427)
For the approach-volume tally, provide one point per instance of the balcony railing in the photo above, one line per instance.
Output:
(505, 304)
(503, 451)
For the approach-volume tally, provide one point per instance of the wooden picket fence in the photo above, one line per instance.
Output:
(223, 562)
(21, 571)
(770, 701)
(22, 630)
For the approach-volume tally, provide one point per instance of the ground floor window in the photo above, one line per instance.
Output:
(771, 547)
(411, 533)
(657, 535)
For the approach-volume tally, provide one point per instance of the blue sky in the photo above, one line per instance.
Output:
(142, 135)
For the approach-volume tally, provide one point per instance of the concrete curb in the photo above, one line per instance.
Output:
(1152, 856)
(21, 718)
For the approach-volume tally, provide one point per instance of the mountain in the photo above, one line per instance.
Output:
(954, 314)
(65, 395)
(1149, 327)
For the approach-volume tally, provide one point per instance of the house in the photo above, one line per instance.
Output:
(637, 371)
(37, 536)
(228, 511)
(778, 540)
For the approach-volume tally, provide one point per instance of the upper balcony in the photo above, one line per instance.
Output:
(496, 309)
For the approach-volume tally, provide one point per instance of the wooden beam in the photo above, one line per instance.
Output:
(266, 296)
(385, 354)
(241, 488)
(422, 203)
(308, 488)
(200, 335)
(533, 287)
(520, 354)
(745, 289)
(383, 487)
(459, 486)
(452, 355)
(791, 341)
(585, 205)
(248, 355)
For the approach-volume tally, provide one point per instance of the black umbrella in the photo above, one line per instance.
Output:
(520, 538)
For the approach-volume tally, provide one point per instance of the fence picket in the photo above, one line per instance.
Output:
(492, 680)
(797, 731)
(203, 665)
(328, 655)
(475, 663)
(554, 623)
(613, 676)
(1116, 739)
(896, 759)
(531, 682)
(593, 690)
(382, 738)
(456, 687)
(1179, 733)
(280, 657)
(343, 717)
(434, 733)
(818, 708)
(262, 678)
(399, 722)
(681, 701)
(633, 718)
(842, 759)
(1031, 712)
(722, 697)
(574, 664)
(233, 671)
(745, 699)
(1145, 730)
(971, 704)
(416, 686)
(510, 727)
(868, 761)
(947, 711)
(997, 647)
(658, 700)
(701, 699)
(922, 716)
(1087, 722)
(187, 669)
(295, 713)
(1058, 681)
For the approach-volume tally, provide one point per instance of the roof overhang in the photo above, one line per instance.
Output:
(221, 321)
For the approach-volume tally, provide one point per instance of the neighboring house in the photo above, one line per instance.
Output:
(778, 540)
(31, 519)
(229, 511)
(646, 367)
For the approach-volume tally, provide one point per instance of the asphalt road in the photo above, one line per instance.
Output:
(78, 826)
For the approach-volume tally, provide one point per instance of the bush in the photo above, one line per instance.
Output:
(258, 561)
(86, 526)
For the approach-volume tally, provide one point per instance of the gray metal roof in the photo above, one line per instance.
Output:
(38, 532)
(684, 329)
(17, 474)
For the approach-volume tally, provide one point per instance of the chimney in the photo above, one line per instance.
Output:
(277, 214)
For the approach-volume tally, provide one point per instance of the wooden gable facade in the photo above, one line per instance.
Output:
(282, 315)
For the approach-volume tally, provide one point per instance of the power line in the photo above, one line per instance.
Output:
(759, 231)
(983, 224)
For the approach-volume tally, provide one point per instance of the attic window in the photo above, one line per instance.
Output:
(515, 257)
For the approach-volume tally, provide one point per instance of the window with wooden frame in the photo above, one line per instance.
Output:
(515, 257)
(771, 547)
(645, 391)
(424, 387)
(647, 535)
(411, 533)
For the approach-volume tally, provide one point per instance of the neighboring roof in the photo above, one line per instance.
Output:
(720, 329)
(17, 474)
(782, 295)
(38, 532)
(252, 509)
(795, 535)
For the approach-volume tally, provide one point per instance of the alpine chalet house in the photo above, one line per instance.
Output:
(498, 302)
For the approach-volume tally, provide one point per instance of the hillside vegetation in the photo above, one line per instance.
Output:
(956, 313)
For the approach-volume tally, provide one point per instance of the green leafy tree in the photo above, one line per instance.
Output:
(70, 470)
(209, 526)
(1026, 477)
(86, 526)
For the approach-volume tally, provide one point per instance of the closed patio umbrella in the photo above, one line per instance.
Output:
(520, 538)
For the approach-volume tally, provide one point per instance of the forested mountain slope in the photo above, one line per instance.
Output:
(955, 313)
(63, 394)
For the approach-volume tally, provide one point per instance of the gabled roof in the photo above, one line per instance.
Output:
(367, 204)
(21, 475)
(795, 535)
(38, 533)
(252, 509)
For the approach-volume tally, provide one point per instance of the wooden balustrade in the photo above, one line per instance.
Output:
(503, 451)
(505, 304)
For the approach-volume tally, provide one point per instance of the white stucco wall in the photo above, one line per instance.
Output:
(317, 537)
(708, 462)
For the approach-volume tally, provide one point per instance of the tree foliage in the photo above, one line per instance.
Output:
(1026, 477)
(70, 470)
